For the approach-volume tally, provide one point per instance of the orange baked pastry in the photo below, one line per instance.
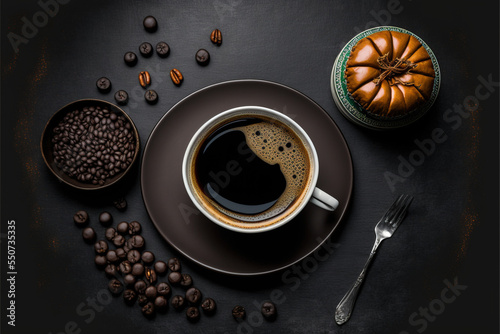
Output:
(390, 74)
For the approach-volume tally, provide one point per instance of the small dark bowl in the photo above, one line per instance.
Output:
(47, 146)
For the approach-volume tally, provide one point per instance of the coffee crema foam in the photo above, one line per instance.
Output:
(273, 143)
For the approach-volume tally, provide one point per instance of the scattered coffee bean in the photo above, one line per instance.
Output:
(151, 96)
(140, 286)
(161, 304)
(105, 218)
(130, 58)
(128, 246)
(239, 313)
(103, 85)
(122, 228)
(150, 275)
(146, 49)
(137, 241)
(121, 253)
(111, 270)
(129, 296)
(100, 261)
(208, 306)
(81, 218)
(133, 256)
(115, 286)
(121, 97)
(121, 203)
(202, 57)
(147, 257)
(125, 267)
(216, 37)
(162, 49)
(174, 264)
(134, 228)
(150, 23)
(177, 302)
(160, 268)
(269, 311)
(101, 247)
(142, 300)
(118, 240)
(163, 289)
(129, 280)
(88, 234)
(110, 233)
(176, 76)
(151, 292)
(112, 257)
(148, 310)
(186, 280)
(138, 269)
(144, 79)
(174, 277)
(193, 314)
(193, 296)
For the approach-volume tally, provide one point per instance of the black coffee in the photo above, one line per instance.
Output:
(251, 168)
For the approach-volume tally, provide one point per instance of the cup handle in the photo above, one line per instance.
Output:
(323, 200)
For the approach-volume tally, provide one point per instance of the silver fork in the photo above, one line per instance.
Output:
(384, 229)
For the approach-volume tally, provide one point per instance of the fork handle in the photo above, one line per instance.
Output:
(346, 305)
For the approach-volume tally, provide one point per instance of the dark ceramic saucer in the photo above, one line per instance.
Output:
(212, 246)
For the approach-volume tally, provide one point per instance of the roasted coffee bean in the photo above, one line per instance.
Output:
(208, 306)
(105, 218)
(193, 314)
(148, 257)
(133, 256)
(151, 96)
(174, 277)
(269, 311)
(216, 37)
(121, 97)
(110, 270)
(148, 310)
(112, 257)
(144, 79)
(178, 302)
(160, 268)
(140, 286)
(128, 246)
(163, 289)
(121, 203)
(186, 280)
(115, 286)
(174, 264)
(142, 300)
(129, 296)
(125, 267)
(134, 227)
(129, 280)
(118, 240)
(202, 57)
(146, 49)
(161, 304)
(193, 296)
(101, 247)
(138, 269)
(137, 241)
(130, 58)
(150, 275)
(122, 228)
(151, 292)
(162, 49)
(100, 261)
(88, 234)
(176, 76)
(239, 313)
(121, 253)
(103, 85)
(110, 233)
(81, 218)
(150, 23)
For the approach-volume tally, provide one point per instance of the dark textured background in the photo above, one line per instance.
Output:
(451, 231)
